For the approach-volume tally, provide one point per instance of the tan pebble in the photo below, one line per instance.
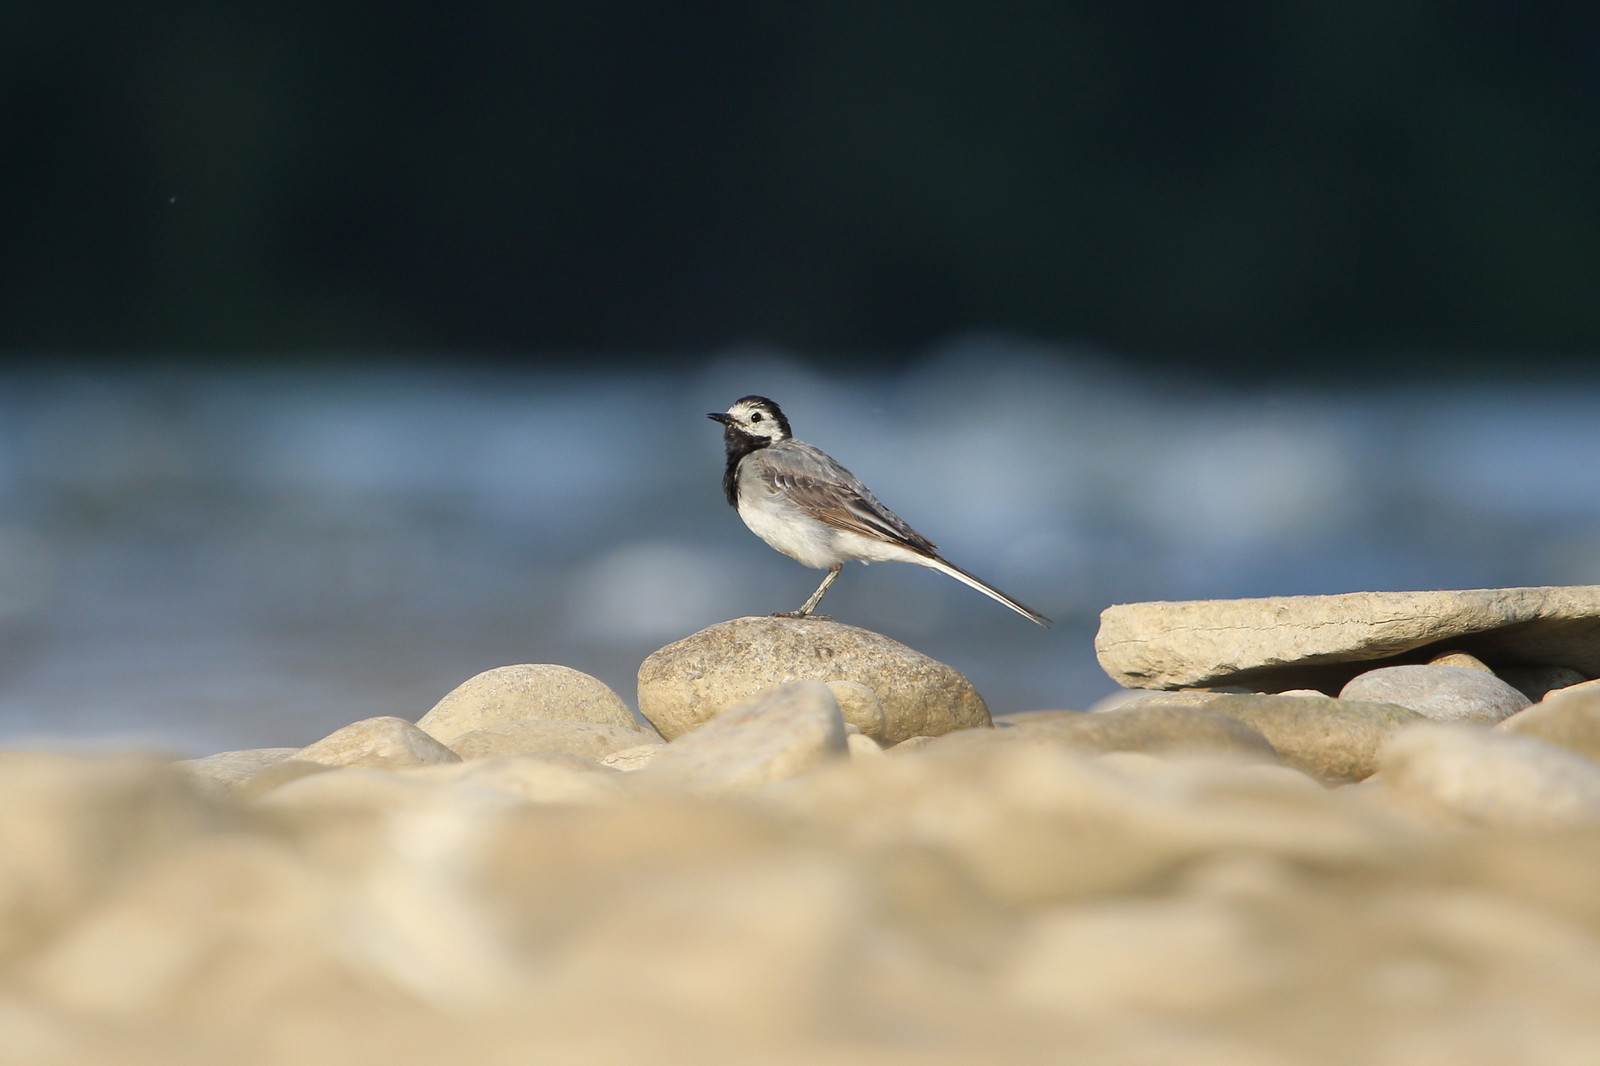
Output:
(1493, 778)
(383, 743)
(860, 707)
(1461, 659)
(589, 740)
(862, 746)
(777, 734)
(526, 692)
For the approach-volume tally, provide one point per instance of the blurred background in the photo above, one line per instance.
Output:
(349, 350)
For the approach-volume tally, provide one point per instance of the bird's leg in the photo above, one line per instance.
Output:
(816, 597)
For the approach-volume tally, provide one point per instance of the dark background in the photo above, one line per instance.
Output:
(1241, 187)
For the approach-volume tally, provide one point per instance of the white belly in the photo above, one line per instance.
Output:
(805, 539)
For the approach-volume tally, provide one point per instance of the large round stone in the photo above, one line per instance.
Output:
(689, 682)
(530, 691)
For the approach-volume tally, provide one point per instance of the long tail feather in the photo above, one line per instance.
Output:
(946, 567)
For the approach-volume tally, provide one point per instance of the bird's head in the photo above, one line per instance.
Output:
(755, 420)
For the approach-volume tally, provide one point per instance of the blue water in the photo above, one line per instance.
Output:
(202, 560)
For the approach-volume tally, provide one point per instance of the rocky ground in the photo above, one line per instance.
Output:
(1374, 838)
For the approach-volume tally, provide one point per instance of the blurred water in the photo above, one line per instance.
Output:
(206, 560)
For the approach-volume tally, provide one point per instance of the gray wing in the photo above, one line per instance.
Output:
(814, 482)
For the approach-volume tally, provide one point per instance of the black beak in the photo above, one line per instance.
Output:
(718, 416)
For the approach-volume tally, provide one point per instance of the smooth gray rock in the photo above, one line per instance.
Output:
(689, 682)
(526, 692)
(384, 742)
(1493, 778)
(1443, 693)
(1322, 641)
(780, 733)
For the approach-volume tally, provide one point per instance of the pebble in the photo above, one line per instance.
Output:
(1537, 682)
(1461, 659)
(860, 707)
(632, 758)
(1144, 884)
(1442, 693)
(689, 682)
(1493, 778)
(1151, 728)
(589, 740)
(232, 769)
(1568, 718)
(527, 692)
(862, 746)
(384, 742)
(779, 733)
(1335, 740)
(542, 777)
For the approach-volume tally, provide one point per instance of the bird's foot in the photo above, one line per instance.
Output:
(803, 614)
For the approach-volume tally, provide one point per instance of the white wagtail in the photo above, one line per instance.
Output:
(797, 499)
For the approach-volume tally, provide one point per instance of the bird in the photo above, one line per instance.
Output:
(800, 501)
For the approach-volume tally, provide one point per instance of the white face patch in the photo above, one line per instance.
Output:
(757, 419)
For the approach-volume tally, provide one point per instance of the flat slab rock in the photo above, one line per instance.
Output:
(1278, 643)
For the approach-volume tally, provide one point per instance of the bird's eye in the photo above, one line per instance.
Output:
(756, 417)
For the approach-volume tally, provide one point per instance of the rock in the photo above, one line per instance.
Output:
(525, 693)
(384, 742)
(1493, 778)
(862, 746)
(357, 793)
(70, 827)
(543, 777)
(780, 733)
(1117, 698)
(1185, 956)
(691, 681)
(1183, 697)
(1568, 718)
(239, 920)
(1041, 823)
(588, 740)
(860, 707)
(1323, 641)
(1461, 659)
(1332, 739)
(633, 758)
(1443, 693)
(233, 768)
(1152, 728)
(1536, 682)
(277, 775)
